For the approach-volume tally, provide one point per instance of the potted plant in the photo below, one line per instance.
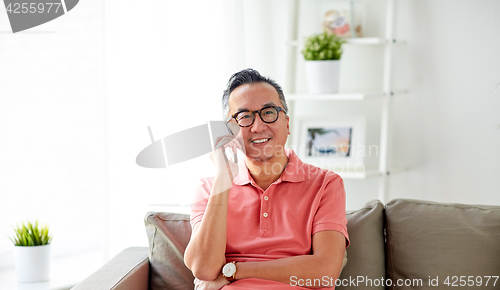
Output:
(322, 53)
(32, 252)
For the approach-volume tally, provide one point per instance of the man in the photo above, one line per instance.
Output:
(271, 221)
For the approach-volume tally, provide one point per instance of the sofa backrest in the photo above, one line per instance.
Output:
(425, 241)
(434, 245)
(169, 233)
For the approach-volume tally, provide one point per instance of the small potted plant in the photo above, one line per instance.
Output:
(322, 53)
(32, 252)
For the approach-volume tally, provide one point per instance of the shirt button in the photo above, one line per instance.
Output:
(265, 214)
(266, 198)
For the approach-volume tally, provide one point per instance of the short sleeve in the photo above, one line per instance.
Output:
(200, 200)
(331, 214)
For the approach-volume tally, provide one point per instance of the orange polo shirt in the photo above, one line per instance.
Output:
(280, 221)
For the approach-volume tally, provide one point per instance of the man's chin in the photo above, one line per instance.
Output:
(260, 158)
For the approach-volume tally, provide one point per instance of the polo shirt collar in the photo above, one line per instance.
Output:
(292, 173)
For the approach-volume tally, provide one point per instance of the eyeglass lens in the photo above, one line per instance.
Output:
(268, 115)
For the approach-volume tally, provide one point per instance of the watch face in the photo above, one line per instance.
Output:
(229, 269)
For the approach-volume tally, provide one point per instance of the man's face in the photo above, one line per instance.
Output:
(262, 141)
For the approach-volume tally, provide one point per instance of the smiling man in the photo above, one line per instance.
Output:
(270, 221)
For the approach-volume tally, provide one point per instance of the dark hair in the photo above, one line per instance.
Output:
(248, 76)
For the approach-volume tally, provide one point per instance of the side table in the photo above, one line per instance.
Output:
(65, 272)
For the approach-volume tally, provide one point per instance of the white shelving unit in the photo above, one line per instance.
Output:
(386, 94)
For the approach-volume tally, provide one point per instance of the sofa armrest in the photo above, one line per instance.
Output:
(127, 270)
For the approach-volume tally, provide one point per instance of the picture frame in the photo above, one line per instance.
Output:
(334, 144)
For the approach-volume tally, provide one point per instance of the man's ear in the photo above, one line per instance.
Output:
(288, 124)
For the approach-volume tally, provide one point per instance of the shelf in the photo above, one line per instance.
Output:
(358, 41)
(367, 40)
(341, 96)
(359, 175)
(365, 174)
(373, 41)
(369, 173)
(335, 97)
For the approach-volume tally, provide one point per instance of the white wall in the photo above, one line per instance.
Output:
(451, 125)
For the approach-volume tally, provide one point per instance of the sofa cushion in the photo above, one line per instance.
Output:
(435, 243)
(365, 255)
(168, 235)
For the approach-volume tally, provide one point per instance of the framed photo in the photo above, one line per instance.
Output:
(335, 144)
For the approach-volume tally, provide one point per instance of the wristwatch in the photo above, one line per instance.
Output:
(229, 270)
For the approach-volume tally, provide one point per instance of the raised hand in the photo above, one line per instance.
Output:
(226, 169)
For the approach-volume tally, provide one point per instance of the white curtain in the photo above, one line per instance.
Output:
(52, 130)
(167, 65)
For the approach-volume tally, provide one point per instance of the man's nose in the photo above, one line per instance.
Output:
(258, 125)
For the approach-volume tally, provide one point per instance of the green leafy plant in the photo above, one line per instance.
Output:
(323, 46)
(30, 234)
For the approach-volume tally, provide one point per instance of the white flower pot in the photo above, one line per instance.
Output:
(323, 76)
(32, 263)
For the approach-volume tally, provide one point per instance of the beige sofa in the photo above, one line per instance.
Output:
(408, 244)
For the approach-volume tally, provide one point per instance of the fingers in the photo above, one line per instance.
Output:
(222, 140)
(216, 284)
(229, 141)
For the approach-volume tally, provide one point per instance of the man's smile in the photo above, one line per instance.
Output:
(260, 140)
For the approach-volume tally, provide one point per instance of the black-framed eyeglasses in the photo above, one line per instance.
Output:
(267, 114)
